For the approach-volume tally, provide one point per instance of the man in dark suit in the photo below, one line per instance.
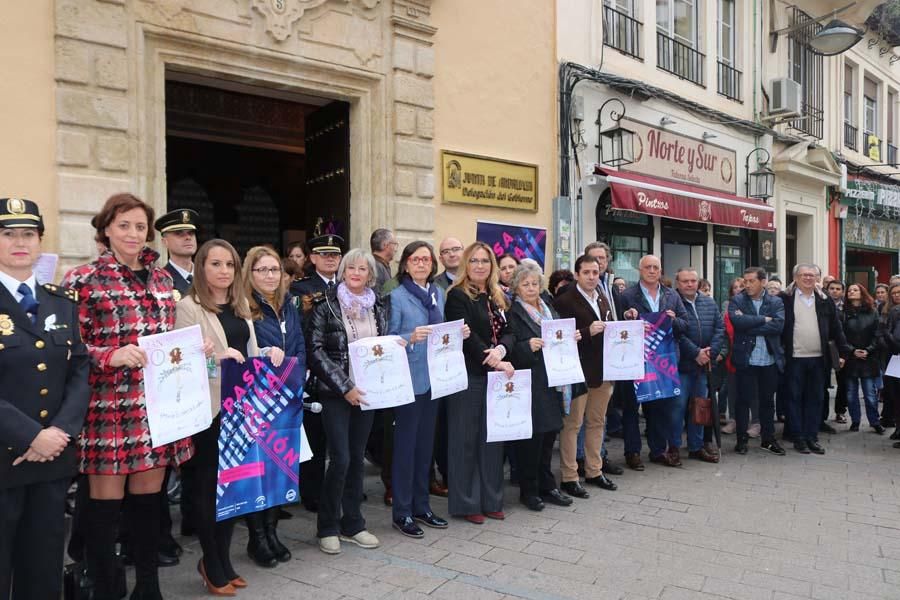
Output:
(178, 231)
(325, 255)
(44, 395)
(450, 255)
(648, 296)
(810, 323)
(591, 310)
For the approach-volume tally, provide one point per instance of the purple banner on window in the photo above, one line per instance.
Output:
(521, 242)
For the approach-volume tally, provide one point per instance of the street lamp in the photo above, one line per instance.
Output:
(835, 38)
(760, 183)
(616, 142)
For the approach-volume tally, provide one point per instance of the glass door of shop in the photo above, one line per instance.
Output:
(627, 252)
(677, 255)
(730, 263)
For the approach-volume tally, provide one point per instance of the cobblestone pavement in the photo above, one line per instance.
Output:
(754, 527)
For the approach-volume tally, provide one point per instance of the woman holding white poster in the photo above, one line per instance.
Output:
(216, 301)
(476, 466)
(534, 455)
(416, 304)
(348, 313)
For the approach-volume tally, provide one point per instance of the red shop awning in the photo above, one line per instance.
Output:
(652, 196)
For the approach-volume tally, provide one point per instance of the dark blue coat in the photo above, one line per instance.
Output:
(269, 330)
(633, 297)
(748, 325)
(709, 331)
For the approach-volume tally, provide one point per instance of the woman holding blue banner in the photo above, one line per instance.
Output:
(216, 301)
(416, 304)
(277, 325)
(350, 312)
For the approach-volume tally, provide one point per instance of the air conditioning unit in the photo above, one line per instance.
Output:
(787, 97)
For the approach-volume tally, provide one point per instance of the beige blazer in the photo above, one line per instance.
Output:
(187, 314)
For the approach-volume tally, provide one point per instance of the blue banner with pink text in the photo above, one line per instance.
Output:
(259, 439)
(661, 378)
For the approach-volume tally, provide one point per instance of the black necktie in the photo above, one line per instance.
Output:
(330, 284)
(189, 279)
(28, 302)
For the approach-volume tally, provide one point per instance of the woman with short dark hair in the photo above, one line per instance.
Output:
(416, 304)
(122, 295)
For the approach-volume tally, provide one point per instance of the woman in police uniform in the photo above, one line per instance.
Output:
(43, 398)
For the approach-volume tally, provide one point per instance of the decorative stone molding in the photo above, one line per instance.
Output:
(282, 14)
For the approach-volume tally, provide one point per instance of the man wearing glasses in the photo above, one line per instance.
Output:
(810, 323)
(451, 251)
(325, 255)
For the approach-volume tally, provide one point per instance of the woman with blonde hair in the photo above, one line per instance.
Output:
(476, 467)
(276, 322)
(217, 303)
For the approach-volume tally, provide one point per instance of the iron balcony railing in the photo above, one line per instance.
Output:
(869, 147)
(622, 32)
(729, 81)
(892, 154)
(851, 136)
(679, 59)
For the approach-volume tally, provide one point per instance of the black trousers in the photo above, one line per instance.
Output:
(347, 428)
(440, 441)
(533, 458)
(214, 537)
(312, 472)
(32, 534)
(759, 383)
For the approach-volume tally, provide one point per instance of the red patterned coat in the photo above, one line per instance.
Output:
(115, 308)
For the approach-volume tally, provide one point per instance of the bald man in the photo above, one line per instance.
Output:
(450, 254)
(648, 296)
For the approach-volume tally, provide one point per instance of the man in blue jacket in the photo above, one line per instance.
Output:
(648, 296)
(757, 356)
(699, 348)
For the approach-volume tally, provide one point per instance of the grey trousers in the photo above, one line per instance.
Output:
(475, 467)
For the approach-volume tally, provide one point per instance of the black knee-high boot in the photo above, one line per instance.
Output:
(142, 515)
(271, 523)
(101, 527)
(258, 544)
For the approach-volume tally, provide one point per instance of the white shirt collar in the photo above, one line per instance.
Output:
(450, 275)
(182, 272)
(12, 284)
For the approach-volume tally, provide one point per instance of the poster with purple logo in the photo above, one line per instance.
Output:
(259, 440)
(518, 240)
(660, 360)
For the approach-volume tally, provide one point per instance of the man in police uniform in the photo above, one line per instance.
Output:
(325, 255)
(44, 395)
(178, 231)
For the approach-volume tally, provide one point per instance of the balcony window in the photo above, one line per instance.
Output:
(676, 40)
(621, 30)
(807, 68)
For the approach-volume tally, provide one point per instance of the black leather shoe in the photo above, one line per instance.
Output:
(741, 446)
(557, 497)
(800, 447)
(826, 428)
(311, 505)
(170, 546)
(815, 447)
(167, 558)
(855, 427)
(611, 469)
(431, 520)
(878, 428)
(574, 488)
(532, 502)
(896, 434)
(408, 527)
(602, 481)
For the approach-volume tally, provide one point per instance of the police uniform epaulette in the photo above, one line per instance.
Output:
(317, 297)
(62, 292)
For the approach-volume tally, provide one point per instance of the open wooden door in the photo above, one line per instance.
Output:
(327, 141)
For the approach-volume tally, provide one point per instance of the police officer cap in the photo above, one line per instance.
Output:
(183, 219)
(326, 243)
(19, 212)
